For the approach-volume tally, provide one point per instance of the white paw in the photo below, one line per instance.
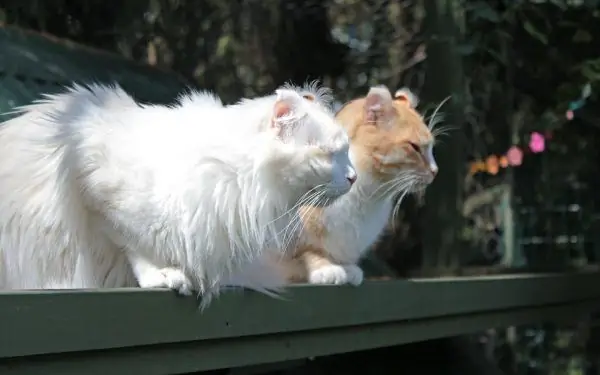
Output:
(336, 275)
(171, 278)
(355, 274)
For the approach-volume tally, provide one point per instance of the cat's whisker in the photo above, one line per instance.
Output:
(442, 130)
(306, 196)
(382, 186)
(291, 230)
(283, 234)
(431, 124)
(386, 184)
(396, 184)
(394, 188)
(297, 221)
(439, 142)
(304, 201)
(399, 200)
(406, 183)
(434, 119)
(401, 188)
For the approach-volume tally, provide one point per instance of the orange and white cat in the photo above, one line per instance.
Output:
(391, 148)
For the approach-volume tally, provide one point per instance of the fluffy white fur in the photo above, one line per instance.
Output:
(97, 190)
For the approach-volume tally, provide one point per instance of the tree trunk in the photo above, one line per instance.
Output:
(444, 77)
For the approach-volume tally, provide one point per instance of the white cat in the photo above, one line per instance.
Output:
(94, 186)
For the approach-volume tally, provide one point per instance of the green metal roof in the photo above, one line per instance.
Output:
(33, 63)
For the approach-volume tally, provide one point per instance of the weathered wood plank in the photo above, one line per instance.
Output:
(232, 352)
(60, 321)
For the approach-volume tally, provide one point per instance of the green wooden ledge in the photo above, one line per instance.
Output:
(133, 331)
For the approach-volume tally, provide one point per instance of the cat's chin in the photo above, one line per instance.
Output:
(419, 188)
(328, 199)
(421, 182)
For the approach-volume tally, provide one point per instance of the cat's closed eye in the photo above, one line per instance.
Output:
(415, 147)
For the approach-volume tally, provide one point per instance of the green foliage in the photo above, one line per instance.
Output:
(244, 48)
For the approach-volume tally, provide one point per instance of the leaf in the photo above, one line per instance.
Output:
(590, 69)
(465, 49)
(586, 91)
(559, 3)
(590, 74)
(223, 45)
(535, 33)
(497, 56)
(485, 11)
(582, 36)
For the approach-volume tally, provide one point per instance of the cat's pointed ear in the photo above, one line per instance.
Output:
(406, 96)
(378, 103)
(286, 109)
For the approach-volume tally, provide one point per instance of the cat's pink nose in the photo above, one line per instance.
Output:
(351, 179)
(434, 170)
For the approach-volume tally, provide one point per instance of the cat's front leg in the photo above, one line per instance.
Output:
(149, 275)
(336, 274)
(322, 270)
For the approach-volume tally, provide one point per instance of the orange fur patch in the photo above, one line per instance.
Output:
(305, 259)
(311, 219)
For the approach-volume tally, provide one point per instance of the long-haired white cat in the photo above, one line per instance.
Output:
(392, 149)
(97, 190)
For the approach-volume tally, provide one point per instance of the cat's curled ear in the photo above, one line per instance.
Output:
(378, 104)
(406, 96)
(287, 109)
